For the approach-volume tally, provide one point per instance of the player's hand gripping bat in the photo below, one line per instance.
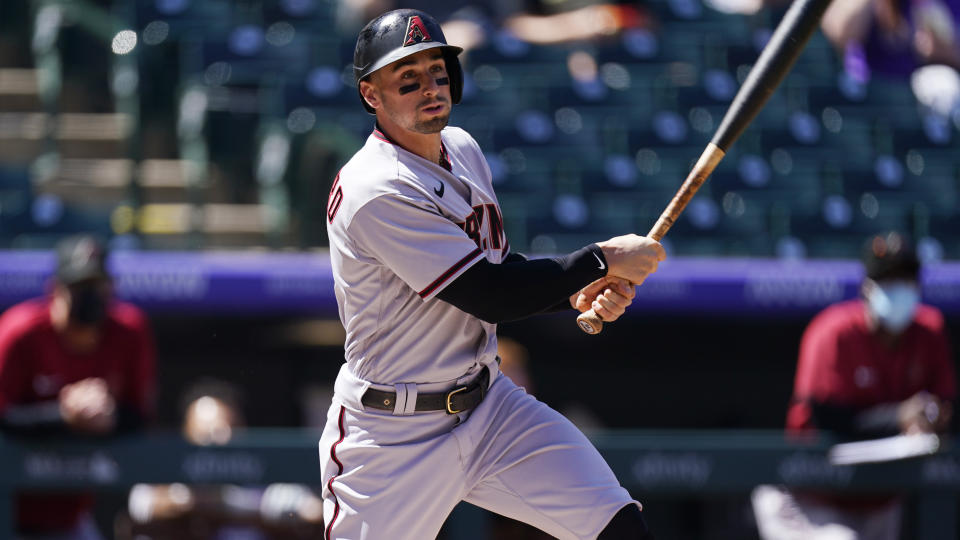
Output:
(774, 63)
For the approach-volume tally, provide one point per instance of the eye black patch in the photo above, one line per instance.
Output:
(409, 88)
(443, 82)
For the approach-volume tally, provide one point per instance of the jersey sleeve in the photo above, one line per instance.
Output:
(819, 374)
(818, 378)
(421, 246)
(14, 377)
(143, 367)
(943, 382)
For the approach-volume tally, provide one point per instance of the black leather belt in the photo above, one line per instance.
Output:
(457, 400)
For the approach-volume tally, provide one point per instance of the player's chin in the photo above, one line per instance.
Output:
(433, 124)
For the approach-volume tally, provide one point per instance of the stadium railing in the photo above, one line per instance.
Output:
(678, 463)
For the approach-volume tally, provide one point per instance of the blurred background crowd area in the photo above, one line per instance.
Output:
(189, 124)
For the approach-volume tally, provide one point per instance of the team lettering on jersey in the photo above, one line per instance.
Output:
(473, 226)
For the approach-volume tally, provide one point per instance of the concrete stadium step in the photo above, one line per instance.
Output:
(175, 226)
(23, 134)
(108, 180)
(19, 89)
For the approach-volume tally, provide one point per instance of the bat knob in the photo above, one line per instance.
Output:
(590, 322)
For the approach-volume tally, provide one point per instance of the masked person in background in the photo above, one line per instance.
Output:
(75, 363)
(870, 367)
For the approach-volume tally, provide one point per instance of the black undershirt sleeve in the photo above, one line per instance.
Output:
(878, 421)
(563, 305)
(518, 287)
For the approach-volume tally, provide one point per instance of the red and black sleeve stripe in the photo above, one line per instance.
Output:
(448, 274)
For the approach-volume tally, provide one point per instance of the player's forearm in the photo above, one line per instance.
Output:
(519, 288)
(562, 305)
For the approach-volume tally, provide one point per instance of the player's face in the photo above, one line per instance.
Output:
(413, 92)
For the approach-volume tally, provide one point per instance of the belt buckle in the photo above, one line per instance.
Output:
(450, 395)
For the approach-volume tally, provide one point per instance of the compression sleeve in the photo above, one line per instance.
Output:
(563, 305)
(518, 287)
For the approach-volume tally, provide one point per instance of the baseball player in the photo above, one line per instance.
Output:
(423, 273)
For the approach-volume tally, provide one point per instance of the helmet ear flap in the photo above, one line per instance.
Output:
(455, 72)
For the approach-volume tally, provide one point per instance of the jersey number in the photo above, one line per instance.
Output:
(335, 198)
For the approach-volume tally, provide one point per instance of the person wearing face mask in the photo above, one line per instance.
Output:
(76, 363)
(871, 367)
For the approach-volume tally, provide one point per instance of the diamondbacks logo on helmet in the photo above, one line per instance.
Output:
(416, 31)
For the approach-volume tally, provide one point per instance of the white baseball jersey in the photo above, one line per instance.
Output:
(401, 228)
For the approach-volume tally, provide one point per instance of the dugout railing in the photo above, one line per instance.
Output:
(683, 463)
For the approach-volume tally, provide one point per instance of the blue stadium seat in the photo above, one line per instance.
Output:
(185, 15)
(322, 85)
(316, 15)
(826, 161)
(945, 229)
(15, 201)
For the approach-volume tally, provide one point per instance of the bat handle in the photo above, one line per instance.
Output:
(589, 321)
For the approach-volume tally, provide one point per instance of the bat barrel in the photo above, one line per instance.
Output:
(774, 63)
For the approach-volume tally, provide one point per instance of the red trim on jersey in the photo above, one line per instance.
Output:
(450, 272)
(445, 158)
(445, 161)
(383, 137)
(333, 456)
(334, 199)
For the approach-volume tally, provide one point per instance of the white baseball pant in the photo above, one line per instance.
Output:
(399, 476)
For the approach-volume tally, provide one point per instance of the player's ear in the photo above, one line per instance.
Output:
(370, 94)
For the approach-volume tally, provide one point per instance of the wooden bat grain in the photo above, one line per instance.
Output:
(589, 321)
(775, 61)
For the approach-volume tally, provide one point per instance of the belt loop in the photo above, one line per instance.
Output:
(411, 402)
(400, 403)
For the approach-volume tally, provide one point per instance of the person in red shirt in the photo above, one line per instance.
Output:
(74, 363)
(871, 367)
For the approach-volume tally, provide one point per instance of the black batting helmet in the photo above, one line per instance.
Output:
(397, 34)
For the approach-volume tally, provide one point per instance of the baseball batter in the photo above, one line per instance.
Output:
(423, 273)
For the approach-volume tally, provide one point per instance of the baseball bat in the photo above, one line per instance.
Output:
(775, 61)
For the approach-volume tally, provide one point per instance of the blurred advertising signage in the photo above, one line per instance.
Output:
(261, 283)
(55, 467)
(223, 466)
